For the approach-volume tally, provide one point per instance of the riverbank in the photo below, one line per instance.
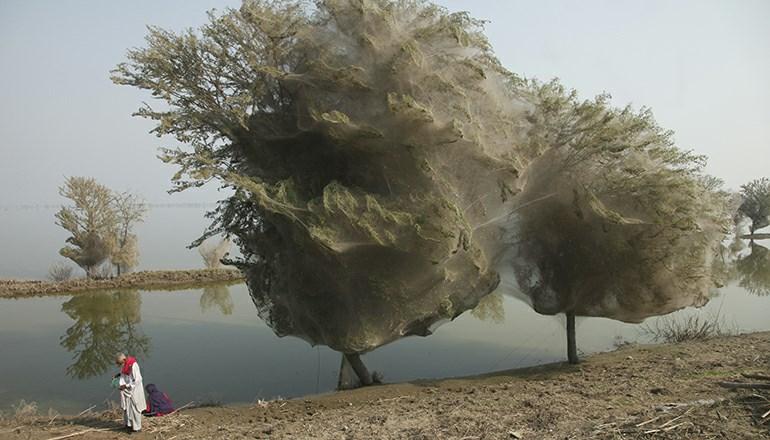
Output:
(662, 391)
(145, 280)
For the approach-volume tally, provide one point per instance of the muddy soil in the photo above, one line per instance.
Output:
(637, 392)
(146, 280)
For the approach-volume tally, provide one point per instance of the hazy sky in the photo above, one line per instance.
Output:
(703, 67)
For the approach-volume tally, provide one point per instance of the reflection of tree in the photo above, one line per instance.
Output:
(218, 296)
(490, 308)
(105, 323)
(754, 270)
(737, 245)
(723, 265)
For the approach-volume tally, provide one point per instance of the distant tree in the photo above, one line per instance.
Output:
(101, 224)
(129, 210)
(91, 221)
(756, 203)
(60, 271)
(213, 253)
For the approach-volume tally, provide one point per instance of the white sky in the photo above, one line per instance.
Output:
(703, 67)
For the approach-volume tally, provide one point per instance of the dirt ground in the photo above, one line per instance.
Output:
(637, 392)
(146, 280)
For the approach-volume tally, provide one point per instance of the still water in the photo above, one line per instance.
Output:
(209, 345)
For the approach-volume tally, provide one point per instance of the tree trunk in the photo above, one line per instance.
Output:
(358, 366)
(572, 354)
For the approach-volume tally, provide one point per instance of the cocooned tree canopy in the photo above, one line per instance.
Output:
(387, 170)
(622, 224)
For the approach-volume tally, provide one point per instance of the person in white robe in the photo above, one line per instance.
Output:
(132, 400)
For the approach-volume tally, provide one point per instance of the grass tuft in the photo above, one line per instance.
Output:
(675, 329)
(24, 411)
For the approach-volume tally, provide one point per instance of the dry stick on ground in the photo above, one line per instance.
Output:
(756, 386)
(671, 428)
(667, 426)
(168, 417)
(703, 402)
(81, 433)
(756, 376)
(180, 408)
(86, 410)
(639, 425)
(388, 400)
(676, 418)
(11, 430)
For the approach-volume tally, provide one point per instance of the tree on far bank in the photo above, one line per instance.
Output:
(90, 222)
(101, 225)
(129, 210)
(756, 203)
(213, 253)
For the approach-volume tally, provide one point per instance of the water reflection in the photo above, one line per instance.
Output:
(753, 270)
(105, 323)
(219, 297)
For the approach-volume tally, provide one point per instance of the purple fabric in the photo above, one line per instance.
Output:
(158, 403)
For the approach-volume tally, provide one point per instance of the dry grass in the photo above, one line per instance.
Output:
(24, 411)
(675, 329)
(60, 272)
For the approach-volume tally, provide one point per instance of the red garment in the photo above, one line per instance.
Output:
(127, 364)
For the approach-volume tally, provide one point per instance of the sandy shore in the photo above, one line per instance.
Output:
(637, 392)
(147, 280)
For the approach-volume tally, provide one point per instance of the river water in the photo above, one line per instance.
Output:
(209, 345)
